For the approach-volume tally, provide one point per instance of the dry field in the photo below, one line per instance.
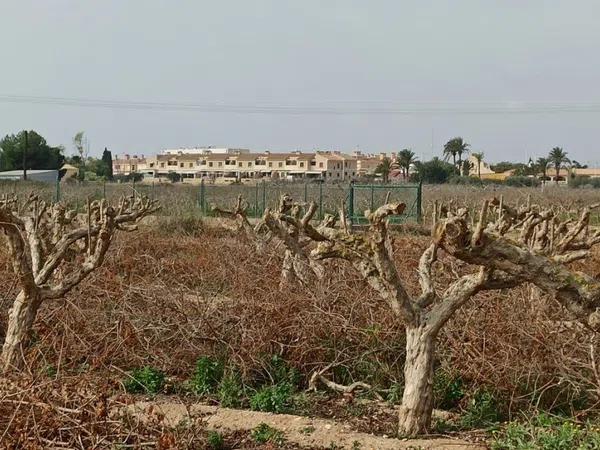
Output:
(179, 289)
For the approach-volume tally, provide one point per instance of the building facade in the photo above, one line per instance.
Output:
(241, 165)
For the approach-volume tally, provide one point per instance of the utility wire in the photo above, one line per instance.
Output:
(320, 108)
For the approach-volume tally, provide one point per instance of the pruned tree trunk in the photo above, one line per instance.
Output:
(40, 237)
(417, 400)
(18, 332)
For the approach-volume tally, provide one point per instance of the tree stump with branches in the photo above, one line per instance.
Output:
(505, 247)
(52, 251)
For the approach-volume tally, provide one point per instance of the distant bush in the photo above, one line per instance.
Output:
(471, 181)
(145, 380)
(520, 181)
(128, 178)
(584, 181)
(435, 171)
(173, 177)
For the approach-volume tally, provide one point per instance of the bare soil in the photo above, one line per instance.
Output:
(305, 432)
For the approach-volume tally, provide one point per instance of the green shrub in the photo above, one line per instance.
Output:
(145, 380)
(207, 375)
(521, 181)
(545, 432)
(395, 393)
(276, 398)
(230, 390)
(215, 440)
(447, 389)
(281, 372)
(584, 181)
(482, 411)
(434, 172)
(264, 433)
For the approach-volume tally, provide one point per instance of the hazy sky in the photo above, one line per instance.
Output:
(314, 54)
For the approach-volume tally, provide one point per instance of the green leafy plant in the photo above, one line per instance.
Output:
(263, 433)
(281, 372)
(207, 375)
(146, 380)
(482, 411)
(448, 389)
(395, 393)
(546, 432)
(230, 390)
(276, 398)
(215, 440)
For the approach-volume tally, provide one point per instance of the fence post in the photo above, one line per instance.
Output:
(419, 200)
(202, 194)
(57, 189)
(256, 200)
(321, 200)
(351, 203)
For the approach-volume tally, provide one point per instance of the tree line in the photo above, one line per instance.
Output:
(29, 150)
(453, 165)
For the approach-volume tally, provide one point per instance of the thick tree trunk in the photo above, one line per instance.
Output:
(417, 400)
(20, 321)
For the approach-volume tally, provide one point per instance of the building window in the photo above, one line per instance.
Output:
(151, 164)
(162, 165)
(270, 164)
(352, 173)
(337, 174)
(301, 164)
(280, 164)
(321, 165)
(313, 163)
(191, 164)
(249, 163)
(330, 175)
(220, 164)
(240, 164)
(210, 164)
(180, 164)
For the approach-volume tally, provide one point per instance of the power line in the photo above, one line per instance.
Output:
(320, 108)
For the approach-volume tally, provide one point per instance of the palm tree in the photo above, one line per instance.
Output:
(406, 158)
(542, 165)
(456, 147)
(479, 158)
(558, 158)
(384, 168)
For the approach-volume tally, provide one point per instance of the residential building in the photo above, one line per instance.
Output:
(226, 165)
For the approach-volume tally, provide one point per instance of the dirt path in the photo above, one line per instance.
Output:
(305, 431)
